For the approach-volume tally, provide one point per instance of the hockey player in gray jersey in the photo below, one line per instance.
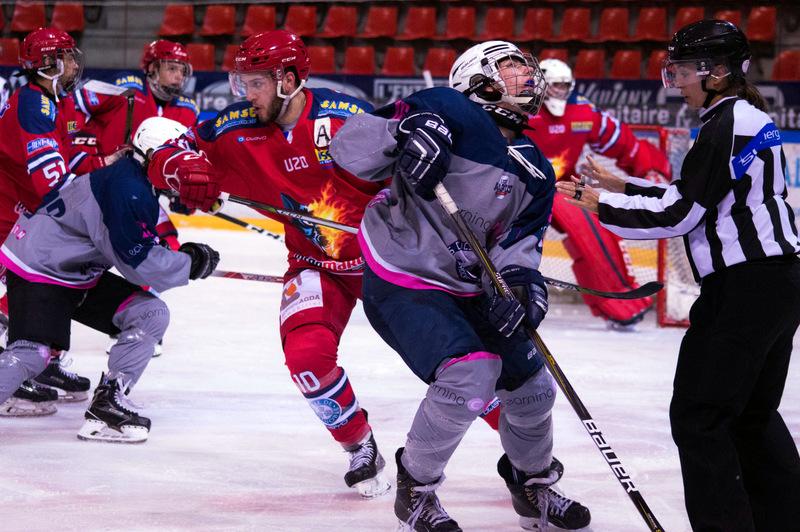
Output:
(58, 261)
(423, 288)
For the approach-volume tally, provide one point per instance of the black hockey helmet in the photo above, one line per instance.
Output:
(707, 43)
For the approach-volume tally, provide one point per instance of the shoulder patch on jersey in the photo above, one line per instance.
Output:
(37, 144)
(581, 126)
(130, 81)
(238, 115)
(338, 107)
(189, 103)
(36, 112)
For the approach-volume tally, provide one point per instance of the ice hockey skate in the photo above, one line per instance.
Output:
(366, 469)
(537, 503)
(111, 417)
(416, 505)
(157, 351)
(29, 400)
(71, 387)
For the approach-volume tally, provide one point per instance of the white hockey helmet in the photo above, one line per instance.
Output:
(154, 132)
(560, 84)
(477, 73)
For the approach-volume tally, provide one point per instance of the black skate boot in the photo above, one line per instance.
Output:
(366, 469)
(30, 399)
(417, 506)
(532, 497)
(111, 418)
(71, 387)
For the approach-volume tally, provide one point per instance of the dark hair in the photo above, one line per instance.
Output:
(746, 90)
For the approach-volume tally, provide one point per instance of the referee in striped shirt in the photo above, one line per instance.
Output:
(741, 470)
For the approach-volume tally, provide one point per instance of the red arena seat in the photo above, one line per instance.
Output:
(652, 24)
(201, 56)
(301, 20)
(553, 53)
(439, 61)
(420, 24)
(9, 51)
(27, 16)
(537, 25)
(614, 23)
(787, 66)
(460, 23)
(654, 64)
(498, 24)
(627, 64)
(228, 58)
(323, 59)
(733, 16)
(590, 63)
(340, 22)
(219, 20)
(399, 61)
(68, 16)
(761, 24)
(359, 60)
(381, 22)
(687, 15)
(258, 19)
(178, 20)
(575, 24)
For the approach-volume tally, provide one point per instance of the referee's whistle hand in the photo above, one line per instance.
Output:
(583, 196)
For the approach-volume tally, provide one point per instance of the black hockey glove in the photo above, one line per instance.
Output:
(531, 300)
(204, 259)
(425, 157)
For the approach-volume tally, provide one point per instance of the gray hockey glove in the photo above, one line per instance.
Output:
(204, 259)
(425, 156)
(531, 300)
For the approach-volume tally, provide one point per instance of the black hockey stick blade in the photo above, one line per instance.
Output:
(647, 289)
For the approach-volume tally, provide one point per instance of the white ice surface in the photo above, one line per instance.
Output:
(235, 447)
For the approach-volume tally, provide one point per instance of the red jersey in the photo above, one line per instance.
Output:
(36, 151)
(562, 139)
(292, 170)
(106, 114)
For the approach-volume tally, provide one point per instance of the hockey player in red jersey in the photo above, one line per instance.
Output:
(562, 128)
(273, 148)
(36, 154)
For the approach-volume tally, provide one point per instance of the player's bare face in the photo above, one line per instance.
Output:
(261, 90)
(172, 74)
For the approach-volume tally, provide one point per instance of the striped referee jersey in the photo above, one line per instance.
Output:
(729, 201)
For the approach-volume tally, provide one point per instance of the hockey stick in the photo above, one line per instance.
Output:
(242, 223)
(589, 424)
(248, 276)
(128, 116)
(647, 289)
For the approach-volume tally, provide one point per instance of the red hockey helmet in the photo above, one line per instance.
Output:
(272, 52)
(163, 51)
(46, 48)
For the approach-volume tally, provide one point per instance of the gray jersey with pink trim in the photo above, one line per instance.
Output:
(91, 223)
(504, 192)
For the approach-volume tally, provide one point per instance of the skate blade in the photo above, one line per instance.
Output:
(533, 523)
(14, 407)
(373, 487)
(158, 351)
(71, 397)
(94, 430)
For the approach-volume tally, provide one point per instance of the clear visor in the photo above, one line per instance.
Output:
(175, 67)
(242, 82)
(65, 68)
(677, 74)
(522, 81)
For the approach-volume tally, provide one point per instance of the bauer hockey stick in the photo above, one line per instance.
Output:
(589, 424)
(647, 289)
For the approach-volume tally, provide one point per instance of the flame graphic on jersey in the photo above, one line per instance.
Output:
(559, 163)
(329, 208)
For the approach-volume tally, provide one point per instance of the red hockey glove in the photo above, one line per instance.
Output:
(192, 176)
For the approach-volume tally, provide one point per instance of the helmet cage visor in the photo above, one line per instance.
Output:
(518, 73)
(57, 62)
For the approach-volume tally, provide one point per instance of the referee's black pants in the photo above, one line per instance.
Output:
(741, 469)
